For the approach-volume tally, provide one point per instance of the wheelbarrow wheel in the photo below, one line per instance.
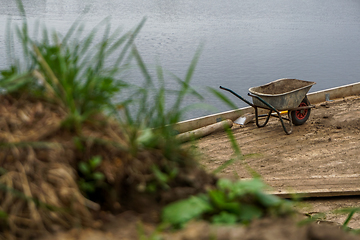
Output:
(299, 117)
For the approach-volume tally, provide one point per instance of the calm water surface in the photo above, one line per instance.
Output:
(247, 42)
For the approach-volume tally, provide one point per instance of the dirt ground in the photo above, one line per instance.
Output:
(128, 226)
(321, 156)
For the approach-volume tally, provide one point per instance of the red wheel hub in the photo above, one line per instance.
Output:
(301, 114)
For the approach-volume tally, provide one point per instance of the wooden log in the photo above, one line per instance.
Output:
(204, 131)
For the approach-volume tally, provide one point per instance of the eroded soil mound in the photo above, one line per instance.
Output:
(41, 193)
(40, 175)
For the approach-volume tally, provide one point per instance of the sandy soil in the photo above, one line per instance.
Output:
(320, 156)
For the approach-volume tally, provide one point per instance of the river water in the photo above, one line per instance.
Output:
(246, 42)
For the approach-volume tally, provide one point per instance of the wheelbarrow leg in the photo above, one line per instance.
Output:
(275, 110)
(257, 118)
(287, 131)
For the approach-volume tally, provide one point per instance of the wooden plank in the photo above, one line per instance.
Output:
(316, 186)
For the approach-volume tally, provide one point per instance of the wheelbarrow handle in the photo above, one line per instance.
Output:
(269, 107)
(237, 95)
(263, 101)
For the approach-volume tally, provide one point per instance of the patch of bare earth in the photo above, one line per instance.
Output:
(41, 160)
(321, 156)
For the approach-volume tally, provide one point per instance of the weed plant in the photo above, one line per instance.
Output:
(155, 117)
(90, 179)
(70, 70)
(229, 203)
(350, 213)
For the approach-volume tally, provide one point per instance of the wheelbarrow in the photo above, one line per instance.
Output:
(281, 95)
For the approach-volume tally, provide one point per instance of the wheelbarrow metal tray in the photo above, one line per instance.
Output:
(282, 94)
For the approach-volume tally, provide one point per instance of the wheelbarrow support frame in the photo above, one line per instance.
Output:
(288, 130)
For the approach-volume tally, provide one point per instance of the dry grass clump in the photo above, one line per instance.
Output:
(39, 189)
(39, 180)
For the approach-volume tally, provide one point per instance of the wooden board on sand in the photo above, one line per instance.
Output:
(316, 186)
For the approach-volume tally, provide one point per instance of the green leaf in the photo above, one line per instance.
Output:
(151, 187)
(244, 187)
(3, 215)
(78, 143)
(84, 168)
(146, 137)
(312, 218)
(224, 218)
(217, 197)
(224, 184)
(180, 212)
(173, 172)
(249, 212)
(94, 162)
(221, 201)
(268, 200)
(87, 187)
(98, 176)
(162, 177)
(9, 72)
(3, 171)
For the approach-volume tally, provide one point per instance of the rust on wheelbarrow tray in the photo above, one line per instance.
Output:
(282, 94)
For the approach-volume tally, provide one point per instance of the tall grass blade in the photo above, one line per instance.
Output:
(9, 43)
(142, 66)
(21, 8)
(45, 37)
(36, 29)
(71, 30)
(222, 97)
(188, 77)
(15, 82)
(193, 64)
(238, 156)
(118, 42)
(129, 42)
(55, 86)
(187, 86)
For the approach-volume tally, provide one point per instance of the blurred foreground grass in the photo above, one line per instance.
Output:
(85, 156)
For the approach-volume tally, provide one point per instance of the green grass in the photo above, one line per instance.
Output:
(70, 70)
